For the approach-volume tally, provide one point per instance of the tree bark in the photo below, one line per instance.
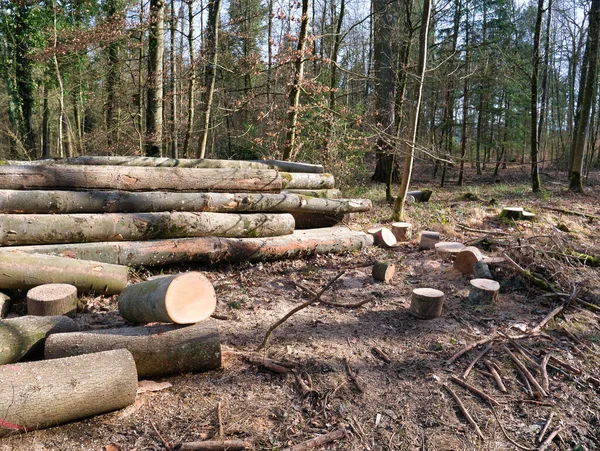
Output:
(158, 350)
(50, 392)
(138, 178)
(535, 176)
(23, 338)
(21, 270)
(301, 244)
(319, 193)
(191, 107)
(307, 181)
(154, 101)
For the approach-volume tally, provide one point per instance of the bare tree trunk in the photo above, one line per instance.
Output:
(535, 176)
(173, 141)
(154, 108)
(269, 51)
(465, 112)
(192, 82)
(113, 78)
(546, 64)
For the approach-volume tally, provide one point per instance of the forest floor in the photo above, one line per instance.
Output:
(401, 404)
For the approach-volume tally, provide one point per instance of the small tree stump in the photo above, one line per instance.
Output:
(511, 213)
(52, 299)
(383, 271)
(383, 237)
(426, 303)
(428, 239)
(481, 270)
(5, 304)
(465, 259)
(402, 230)
(484, 291)
(528, 216)
(447, 250)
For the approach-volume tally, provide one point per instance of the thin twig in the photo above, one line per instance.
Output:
(518, 445)
(475, 391)
(165, 443)
(546, 443)
(331, 303)
(476, 359)
(220, 418)
(549, 317)
(382, 355)
(487, 232)
(304, 387)
(352, 376)
(468, 348)
(271, 365)
(464, 411)
(525, 371)
(496, 375)
(545, 428)
(319, 441)
(544, 372)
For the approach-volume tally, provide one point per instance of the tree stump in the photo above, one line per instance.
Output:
(383, 271)
(5, 303)
(52, 299)
(483, 291)
(402, 231)
(481, 270)
(383, 237)
(428, 239)
(516, 213)
(447, 250)
(181, 298)
(465, 259)
(426, 303)
(51, 392)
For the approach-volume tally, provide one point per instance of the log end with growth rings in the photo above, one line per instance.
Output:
(190, 298)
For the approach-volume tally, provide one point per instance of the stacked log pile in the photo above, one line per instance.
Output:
(156, 211)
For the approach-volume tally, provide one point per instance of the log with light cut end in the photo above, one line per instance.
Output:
(181, 298)
(51, 392)
(447, 250)
(484, 291)
(426, 303)
(21, 270)
(157, 350)
(383, 237)
(402, 231)
(465, 259)
(383, 271)
(428, 239)
(5, 304)
(481, 270)
(420, 195)
(52, 299)
(319, 193)
(24, 337)
(304, 180)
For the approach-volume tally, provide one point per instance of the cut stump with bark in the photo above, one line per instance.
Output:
(481, 270)
(181, 298)
(52, 299)
(402, 231)
(383, 271)
(484, 291)
(158, 350)
(426, 303)
(428, 240)
(466, 258)
(447, 250)
(51, 392)
(516, 213)
(383, 237)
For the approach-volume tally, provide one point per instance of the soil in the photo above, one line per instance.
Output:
(398, 400)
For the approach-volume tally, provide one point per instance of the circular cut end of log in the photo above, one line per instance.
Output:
(428, 239)
(52, 299)
(466, 258)
(384, 238)
(426, 303)
(383, 271)
(484, 291)
(190, 298)
(447, 249)
(402, 230)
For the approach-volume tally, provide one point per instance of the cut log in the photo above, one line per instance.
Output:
(421, 195)
(5, 304)
(289, 166)
(319, 193)
(428, 240)
(23, 338)
(52, 299)
(426, 303)
(157, 350)
(83, 228)
(136, 178)
(465, 259)
(51, 392)
(511, 213)
(481, 270)
(402, 231)
(304, 180)
(45, 201)
(21, 270)
(181, 298)
(383, 237)
(212, 445)
(447, 250)
(383, 271)
(311, 220)
(300, 244)
(483, 291)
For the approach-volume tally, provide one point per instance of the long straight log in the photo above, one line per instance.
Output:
(47, 201)
(23, 337)
(300, 244)
(88, 227)
(288, 166)
(23, 270)
(37, 395)
(136, 178)
(157, 350)
(302, 180)
(320, 193)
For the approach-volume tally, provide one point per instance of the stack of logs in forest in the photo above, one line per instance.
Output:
(139, 211)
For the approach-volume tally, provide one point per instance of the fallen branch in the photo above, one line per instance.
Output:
(297, 309)
(351, 375)
(475, 391)
(212, 445)
(544, 372)
(487, 232)
(535, 280)
(476, 359)
(307, 389)
(382, 355)
(220, 420)
(571, 212)
(525, 372)
(468, 348)
(319, 441)
(464, 411)
(545, 428)
(546, 443)
(495, 374)
(330, 303)
(268, 364)
(549, 317)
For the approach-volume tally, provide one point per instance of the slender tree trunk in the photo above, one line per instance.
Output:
(45, 124)
(465, 112)
(192, 82)
(154, 108)
(113, 78)
(546, 64)
(269, 50)
(174, 147)
(535, 176)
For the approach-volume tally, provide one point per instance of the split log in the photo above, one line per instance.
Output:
(305, 180)
(447, 250)
(466, 258)
(21, 270)
(383, 271)
(383, 237)
(52, 299)
(289, 166)
(428, 239)
(426, 303)
(50, 392)
(157, 350)
(319, 193)
(484, 291)
(402, 231)
(481, 270)
(82, 228)
(136, 178)
(181, 298)
(23, 338)
(421, 195)
(300, 244)
(5, 303)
